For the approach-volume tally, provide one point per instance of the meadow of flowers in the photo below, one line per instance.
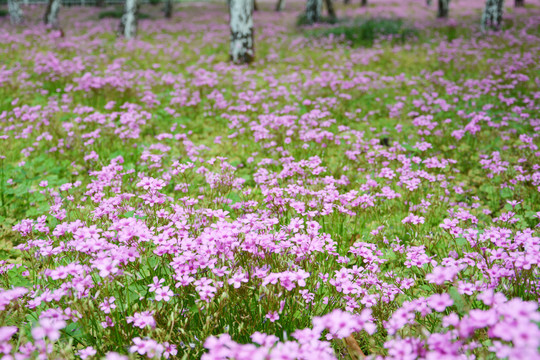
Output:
(326, 202)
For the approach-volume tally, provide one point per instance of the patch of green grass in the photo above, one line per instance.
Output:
(362, 121)
(364, 32)
(301, 20)
(117, 14)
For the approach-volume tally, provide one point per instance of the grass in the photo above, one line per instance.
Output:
(364, 31)
(306, 131)
(301, 20)
(117, 14)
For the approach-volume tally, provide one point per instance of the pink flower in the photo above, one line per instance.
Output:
(6, 332)
(115, 356)
(439, 302)
(49, 328)
(449, 224)
(413, 219)
(341, 324)
(237, 279)
(169, 350)
(142, 319)
(264, 339)
(163, 294)
(87, 352)
(147, 347)
(107, 323)
(106, 266)
(107, 305)
(156, 284)
(465, 288)
(272, 316)
(441, 274)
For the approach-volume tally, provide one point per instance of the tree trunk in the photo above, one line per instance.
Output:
(519, 3)
(255, 5)
(442, 11)
(128, 23)
(280, 5)
(313, 11)
(100, 3)
(51, 13)
(330, 9)
(346, 2)
(428, 2)
(492, 15)
(363, 3)
(168, 9)
(241, 22)
(15, 12)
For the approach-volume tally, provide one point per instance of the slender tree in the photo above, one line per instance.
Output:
(51, 13)
(442, 9)
(363, 3)
(168, 9)
(330, 9)
(241, 23)
(280, 5)
(128, 23)
(100, 3)
(313, 11)
(15, 12)
(492, 15)
(519, 3)
(346, 2)
(255, 5)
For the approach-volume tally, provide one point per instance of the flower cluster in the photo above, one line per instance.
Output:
(330, 201)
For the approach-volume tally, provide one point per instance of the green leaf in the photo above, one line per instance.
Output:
(461, 241)
(459, 301)
(507, 193)
(16, 279)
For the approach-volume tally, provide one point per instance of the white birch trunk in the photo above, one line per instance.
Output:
(241, 22)
(15, 12)
(280, 5)
(313, 11)
(51, 14)
(128, 23)
(492, 15)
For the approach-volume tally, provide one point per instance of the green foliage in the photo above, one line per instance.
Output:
(451, 33)
(3, 13)
(117, 14)
(301, 20)
(241, 312)
(364, 32)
